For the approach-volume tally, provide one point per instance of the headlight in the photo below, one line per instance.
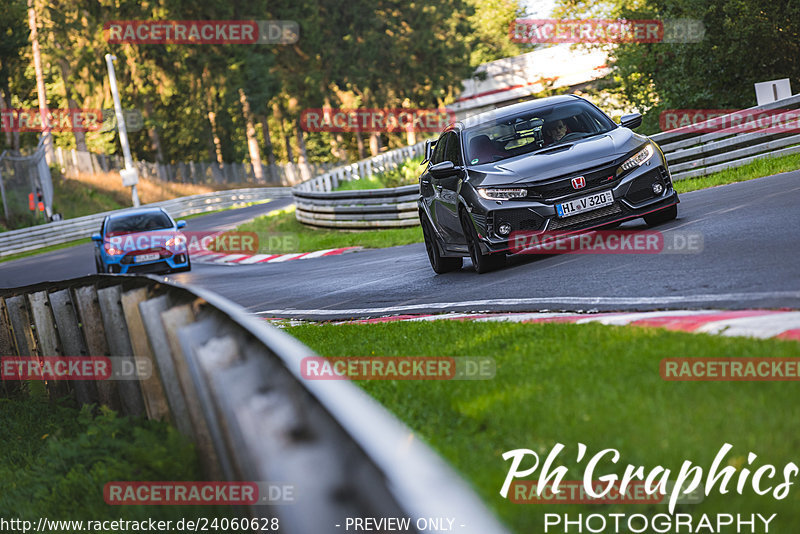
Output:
(113, 251)
(177, 241)
(497, 193)
(641, 157)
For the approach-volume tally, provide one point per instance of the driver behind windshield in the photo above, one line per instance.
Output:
(556, 130)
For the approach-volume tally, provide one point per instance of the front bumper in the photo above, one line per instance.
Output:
(168, 261)
(633, 198)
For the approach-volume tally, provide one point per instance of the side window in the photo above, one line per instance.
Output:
(102, 226)
(453, 150)
(438, 150)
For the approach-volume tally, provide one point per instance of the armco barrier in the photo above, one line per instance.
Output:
(55, 233)
(233, 384)
(319, 205)
(369, 208)
(691, 154)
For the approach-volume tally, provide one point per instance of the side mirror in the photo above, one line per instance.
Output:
(429, 144)
(442, 169)
(96, 237)
(633, 120)
(180, 224)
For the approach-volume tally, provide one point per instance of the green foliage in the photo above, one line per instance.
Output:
(746, 41)
(407, 173)
(57, 459)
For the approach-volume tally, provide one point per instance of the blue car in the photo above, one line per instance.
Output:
(145, 240)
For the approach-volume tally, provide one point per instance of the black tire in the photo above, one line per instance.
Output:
(98, 266)
(661, 216)
(483, 262)
(439, 263)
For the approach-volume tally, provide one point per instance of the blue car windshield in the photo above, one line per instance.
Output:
(140, 222)
(534, 129)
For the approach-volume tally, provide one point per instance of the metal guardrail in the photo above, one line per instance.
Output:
(233, 384)
(55, 233)
(319, 205)
(390, 207)
(691, 153)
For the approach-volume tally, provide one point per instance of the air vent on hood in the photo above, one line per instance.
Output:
(555, 149)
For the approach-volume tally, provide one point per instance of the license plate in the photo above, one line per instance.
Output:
(583, 204)
(146, 257)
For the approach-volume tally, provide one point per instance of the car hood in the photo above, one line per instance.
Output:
(142, 240)
(574, 157)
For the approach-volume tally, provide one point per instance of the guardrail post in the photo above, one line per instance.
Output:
(21, 325)
(150, 312)
(174, 319)
(10, 387)
(47, 338)
(119, 344)
(155, 401)
(72, 341)
(85, 299)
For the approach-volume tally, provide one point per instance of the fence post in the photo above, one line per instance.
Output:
(47, 338)
(86, 302)
(72, 342)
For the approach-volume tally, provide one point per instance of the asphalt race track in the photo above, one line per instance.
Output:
(749, 259)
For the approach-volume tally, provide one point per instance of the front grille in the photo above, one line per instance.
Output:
(128, 258)
(604, 176)
(593, 216)
(519, 219)
(157, 267)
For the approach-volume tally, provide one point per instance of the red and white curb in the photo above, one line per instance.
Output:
(208, 256)
(763, 324)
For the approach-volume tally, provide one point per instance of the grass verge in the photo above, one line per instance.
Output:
(280, 232)
(755, 169)
(592, 384)
(57, 459)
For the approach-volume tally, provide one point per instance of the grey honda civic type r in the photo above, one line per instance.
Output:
(556, 164)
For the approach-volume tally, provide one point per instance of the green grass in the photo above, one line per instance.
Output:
(51, 248)
(592, 384)
(755, 169)
(56, 460)
(279, 232)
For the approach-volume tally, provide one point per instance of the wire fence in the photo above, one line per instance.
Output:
(73, 162)
(26, 188)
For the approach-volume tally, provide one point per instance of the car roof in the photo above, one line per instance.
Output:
(513, 109)
(135, 211)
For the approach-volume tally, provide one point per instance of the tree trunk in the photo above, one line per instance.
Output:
(272, 171)
(375, 143)
(152, 132)
(252, 140)
(80, 136)
(361, 151)
(276, 110)
(4, 93)
(302, 155)
(50, 153)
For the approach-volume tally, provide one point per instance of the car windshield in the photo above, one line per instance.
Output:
(533, 130)
(140, 222)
